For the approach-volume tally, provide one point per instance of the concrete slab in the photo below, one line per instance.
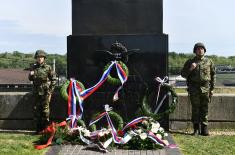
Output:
(84, 150)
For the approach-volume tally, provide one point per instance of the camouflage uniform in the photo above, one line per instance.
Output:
(200, 82)
(44, 80)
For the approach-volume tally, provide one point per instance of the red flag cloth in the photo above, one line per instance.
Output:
(51, 129)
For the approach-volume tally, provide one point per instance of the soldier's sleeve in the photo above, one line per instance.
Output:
(213, 76)
(53, 79)
(185, 72)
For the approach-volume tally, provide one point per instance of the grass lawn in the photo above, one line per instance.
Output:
(217, 90)
(19, 144)
(22, 144)
(201, 145)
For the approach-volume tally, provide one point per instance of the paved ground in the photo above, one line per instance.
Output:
(84, 150)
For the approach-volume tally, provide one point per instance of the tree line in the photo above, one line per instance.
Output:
(21, 60)
(176, 61)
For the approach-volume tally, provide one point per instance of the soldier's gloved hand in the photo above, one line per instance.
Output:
(211, 93)
(193, 66)
(31, 73)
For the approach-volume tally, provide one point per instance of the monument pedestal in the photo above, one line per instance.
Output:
(137, 24)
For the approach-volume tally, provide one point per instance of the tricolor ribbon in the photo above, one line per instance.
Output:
(159, 141)
(121, 75)
(123, 78)
(72, 109)
(75, 92)
(134, 122)
(115, 137)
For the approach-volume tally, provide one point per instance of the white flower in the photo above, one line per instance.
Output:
(107, 131)
(143, 135)
(139, 131)
(161, 129)
(87, 133)
(159, 136)
(154, 130)
(155, 125)
(165, 134)
(101, 133)
(145, 122)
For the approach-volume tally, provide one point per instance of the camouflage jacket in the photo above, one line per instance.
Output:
(44, 79)
(202, 77)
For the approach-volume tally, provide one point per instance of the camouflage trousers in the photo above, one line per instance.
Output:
(41, 111)
(199, 102)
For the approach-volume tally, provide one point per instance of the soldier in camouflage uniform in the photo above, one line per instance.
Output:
(44, 80)
(200, 75)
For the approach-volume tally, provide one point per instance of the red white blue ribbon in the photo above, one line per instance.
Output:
(72, 110)
(89, 91)
(135, 121)
(159, 141)
(75, 92)
(121, 74)
(116, 138)
(98, 118)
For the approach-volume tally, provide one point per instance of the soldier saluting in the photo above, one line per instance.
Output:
(200, 75)
(44, 81)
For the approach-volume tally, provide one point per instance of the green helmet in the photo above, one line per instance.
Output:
(41, 53)
(199, 45)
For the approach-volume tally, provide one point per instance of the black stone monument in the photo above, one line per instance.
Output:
(137, 24)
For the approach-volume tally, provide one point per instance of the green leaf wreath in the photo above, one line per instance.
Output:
(114, 80)
(146, 110)
(64, 89)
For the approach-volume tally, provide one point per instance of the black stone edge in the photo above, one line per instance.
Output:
(54, 150)
(172, 151)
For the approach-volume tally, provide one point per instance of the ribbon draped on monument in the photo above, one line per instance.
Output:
(127, 135)
(75, 92)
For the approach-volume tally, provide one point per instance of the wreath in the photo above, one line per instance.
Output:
(64, 89)
(115, 117)
(113, 80)
(147, 110)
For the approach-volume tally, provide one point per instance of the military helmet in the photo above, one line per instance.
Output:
(199, 45)
(41, 53)
(118, 47)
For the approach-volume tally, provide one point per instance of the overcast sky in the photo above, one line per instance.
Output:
(28, 25)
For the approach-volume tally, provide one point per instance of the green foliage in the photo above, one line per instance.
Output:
(20, 60)
(137, 143)
(176, 61)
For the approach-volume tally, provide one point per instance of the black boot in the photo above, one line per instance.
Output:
(196, 129)
(204, 130)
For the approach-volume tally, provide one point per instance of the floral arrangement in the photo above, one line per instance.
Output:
(143, 134)
(140, 133)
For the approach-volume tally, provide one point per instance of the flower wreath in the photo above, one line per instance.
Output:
(64, 89)
(147, 110)
(116, 81)
(116, 118)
